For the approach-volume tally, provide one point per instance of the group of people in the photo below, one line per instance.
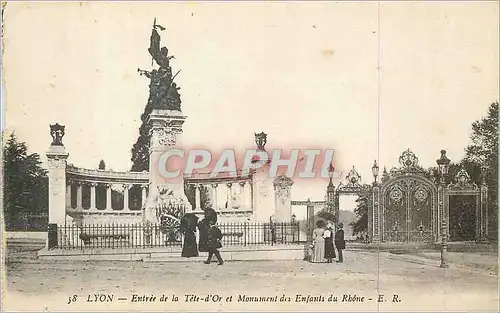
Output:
(325, 242)
(210, 236)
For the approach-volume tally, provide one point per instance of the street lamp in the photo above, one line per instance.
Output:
(375, 169)
(443, 163)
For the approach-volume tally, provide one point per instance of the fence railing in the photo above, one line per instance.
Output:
(144, 236)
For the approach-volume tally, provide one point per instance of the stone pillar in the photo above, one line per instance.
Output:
(229, 195)
(197, 197)
(215, 203)
(249, 193)
(92, 197)
(56, 161)
(108, 198)
(263, 195)
(376, 217)
(79, 205)
(126, 205)
(143, 194)
(243, 203)
(68, 195)
(166, 136)
(282, 199)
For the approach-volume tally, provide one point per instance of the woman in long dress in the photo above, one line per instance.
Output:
(319, 243)
(329, 247)
(188, 228)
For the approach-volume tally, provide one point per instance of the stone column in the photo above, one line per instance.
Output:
(243, 203)
(229, 195)
(126, 205)
(108, 198)
(143, 194)
(249, 193)
(282, 199)
(93, 207)
(79, 205)
(197, 197)
(215, 204)
(68, 195)
(56, 161)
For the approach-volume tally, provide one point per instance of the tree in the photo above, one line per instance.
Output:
(102, 165)
(25, 182)
(484, 151)
(360, 226)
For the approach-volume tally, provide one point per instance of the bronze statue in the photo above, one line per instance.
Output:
(163, 92)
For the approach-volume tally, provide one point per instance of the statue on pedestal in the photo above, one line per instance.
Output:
(163, 92)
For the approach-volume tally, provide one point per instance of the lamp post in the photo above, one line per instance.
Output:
(375, 170)
(443, 163)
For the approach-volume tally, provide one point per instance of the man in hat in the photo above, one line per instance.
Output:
(340, 242)
(214, 243)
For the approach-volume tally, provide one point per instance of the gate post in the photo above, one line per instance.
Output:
(375, 200)
(309, 228)
(483, 229)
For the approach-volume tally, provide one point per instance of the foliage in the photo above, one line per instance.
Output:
(360, 226)
(102, 165)
(484, 151)
(25, 182)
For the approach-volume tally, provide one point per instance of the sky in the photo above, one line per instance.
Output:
(367, 79)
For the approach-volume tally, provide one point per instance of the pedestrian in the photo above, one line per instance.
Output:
(318, 243)
(188, 229)
(204, 226)
(329, 247)
(340, 242)
(214, 243)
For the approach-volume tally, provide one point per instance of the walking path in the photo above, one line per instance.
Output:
(417, 281)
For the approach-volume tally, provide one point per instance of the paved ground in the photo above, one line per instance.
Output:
(418, 281)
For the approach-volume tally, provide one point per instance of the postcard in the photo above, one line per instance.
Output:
(250, 156)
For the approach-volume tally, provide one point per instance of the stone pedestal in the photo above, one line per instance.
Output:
(282, 199)
(263, 195)
(56, 159)
(166, 135)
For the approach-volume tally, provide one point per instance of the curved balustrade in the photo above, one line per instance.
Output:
(90, 191)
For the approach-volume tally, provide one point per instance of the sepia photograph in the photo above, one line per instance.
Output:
(292, 156)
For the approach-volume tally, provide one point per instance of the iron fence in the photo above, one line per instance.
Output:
(144, 235)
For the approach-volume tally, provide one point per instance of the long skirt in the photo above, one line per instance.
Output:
(189, 248)
(318, 251)
(329, 249)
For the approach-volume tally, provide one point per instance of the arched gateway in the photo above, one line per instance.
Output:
(410, 206)
(408, 203)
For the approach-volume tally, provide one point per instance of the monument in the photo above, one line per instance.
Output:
(165, 201)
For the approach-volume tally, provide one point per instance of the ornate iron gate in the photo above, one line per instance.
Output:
(409, 206)
(408, 203)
